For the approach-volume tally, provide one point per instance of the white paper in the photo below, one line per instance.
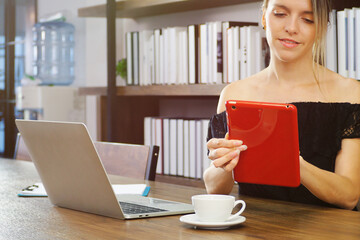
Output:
(37, 189)
(129, 188)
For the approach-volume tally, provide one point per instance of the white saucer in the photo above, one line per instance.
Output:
(193, 220)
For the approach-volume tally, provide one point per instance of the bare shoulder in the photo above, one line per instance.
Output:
(345, 89)
(243, 89)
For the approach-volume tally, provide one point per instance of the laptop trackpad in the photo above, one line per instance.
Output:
(148, 201)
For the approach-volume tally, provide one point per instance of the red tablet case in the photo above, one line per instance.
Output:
(270, 131)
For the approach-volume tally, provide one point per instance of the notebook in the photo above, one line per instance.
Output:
(74, 177)
(270, 131)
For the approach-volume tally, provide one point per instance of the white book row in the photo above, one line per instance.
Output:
(247, 52)
(343, 42)
(193, 54)
(182, 143)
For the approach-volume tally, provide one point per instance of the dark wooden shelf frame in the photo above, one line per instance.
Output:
(146, 8)
(158, 90)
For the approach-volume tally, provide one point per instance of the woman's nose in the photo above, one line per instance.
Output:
(292, 26)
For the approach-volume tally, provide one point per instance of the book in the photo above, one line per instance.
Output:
(183, 66)
(173, 45)
(192, 148)
(342, 43)
(186, 148)
(193, 53)
(38, 190)
(350, 42)
(236, 57)
(260, 50)
(226, 25)
(150, 71)
(129, 59)
(357, 42)
(198, 149)
(230, 52)
(159, 142)
(204, 54)
(161, 60)
(251, 49)
(165, 56)
(173, 42)
(144, 57)
(135, 47)
(331, 45)
(157, 34)
(166, 146)
(214, 36)
(243, 53)
(219, 54)
(180, 147)
(211, 48)
(173, 147)
(174, 53)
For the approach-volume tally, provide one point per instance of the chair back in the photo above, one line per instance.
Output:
(21, 152)
(129, 160)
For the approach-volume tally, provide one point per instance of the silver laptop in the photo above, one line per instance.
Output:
(74, 177)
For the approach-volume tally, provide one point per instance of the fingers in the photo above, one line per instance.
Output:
(223, 143)
(229, 160)
(219, 152)
(224, 152)
(231, 165)
(224, 160)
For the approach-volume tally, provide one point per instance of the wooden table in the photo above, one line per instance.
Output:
(36, 218)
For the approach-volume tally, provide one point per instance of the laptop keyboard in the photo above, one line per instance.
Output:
(132, 208)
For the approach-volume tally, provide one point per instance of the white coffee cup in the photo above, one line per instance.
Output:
(216, 207)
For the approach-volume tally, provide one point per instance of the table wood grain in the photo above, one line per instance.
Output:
(37, 218)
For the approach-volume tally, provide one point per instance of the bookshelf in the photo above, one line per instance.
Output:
(146, 8)
(159, 90)
(151, 98)
(130, 104)
(137, 102)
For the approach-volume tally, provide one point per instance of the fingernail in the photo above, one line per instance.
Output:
(239, 142)
(243, 147)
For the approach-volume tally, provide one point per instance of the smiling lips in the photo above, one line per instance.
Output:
(288, 43)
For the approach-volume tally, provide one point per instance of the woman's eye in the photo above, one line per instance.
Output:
(307, 20)
(279, 14)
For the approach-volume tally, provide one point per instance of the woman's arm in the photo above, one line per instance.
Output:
(341, 188)
(224, 154)
(218, 180)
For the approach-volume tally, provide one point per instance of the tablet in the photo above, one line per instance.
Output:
(270, 130)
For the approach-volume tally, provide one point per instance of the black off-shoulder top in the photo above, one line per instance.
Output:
(322, 126)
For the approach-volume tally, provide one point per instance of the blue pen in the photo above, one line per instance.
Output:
(146, 191)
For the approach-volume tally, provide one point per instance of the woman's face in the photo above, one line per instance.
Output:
(290, 29)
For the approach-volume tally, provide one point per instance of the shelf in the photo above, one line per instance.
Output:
(178, 180)
(146, 8)
(158, 90)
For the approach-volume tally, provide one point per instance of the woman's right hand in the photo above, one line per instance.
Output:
(225, 153)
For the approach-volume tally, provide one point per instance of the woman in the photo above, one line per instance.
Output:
(328, 111)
